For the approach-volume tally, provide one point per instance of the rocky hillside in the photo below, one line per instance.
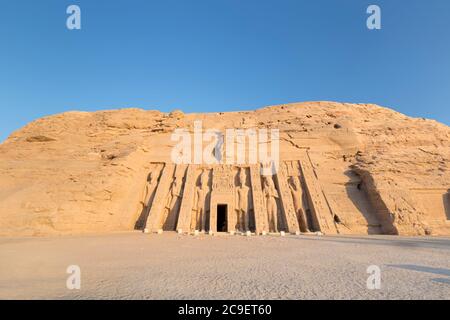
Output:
(80, 172)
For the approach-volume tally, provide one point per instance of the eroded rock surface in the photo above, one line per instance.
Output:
(363, 169)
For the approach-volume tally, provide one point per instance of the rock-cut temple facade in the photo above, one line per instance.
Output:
(236, 199)
(342, 169)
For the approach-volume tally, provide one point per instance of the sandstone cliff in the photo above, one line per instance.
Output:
(379, 171)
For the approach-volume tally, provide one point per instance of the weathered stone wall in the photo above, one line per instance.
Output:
(362, 169)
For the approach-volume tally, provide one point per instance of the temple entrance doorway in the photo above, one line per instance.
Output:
(222, 221)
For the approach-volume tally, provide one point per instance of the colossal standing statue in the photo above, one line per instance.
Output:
(242, 220)
(149, 188)
(202, 194)
(173, 203)
(271, 195)
(297, 197)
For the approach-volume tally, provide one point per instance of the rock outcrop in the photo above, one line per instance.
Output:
(362, 169)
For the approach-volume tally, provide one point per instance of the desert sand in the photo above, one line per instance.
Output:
(133, 265)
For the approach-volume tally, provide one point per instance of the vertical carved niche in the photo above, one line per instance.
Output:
(148, 193)
(167, 199)
(273, 204)
(200, 210)
(195, 205)
(173, 203)
(244, 209)
(187, 203)
(298, 192)
(290, 190)
(321, 215)
(259, 205)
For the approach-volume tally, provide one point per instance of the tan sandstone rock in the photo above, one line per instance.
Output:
(361, 169)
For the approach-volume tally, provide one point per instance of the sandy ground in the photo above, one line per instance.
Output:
(139, 266)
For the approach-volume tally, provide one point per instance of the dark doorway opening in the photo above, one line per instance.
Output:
(222, 223)
(447, 204)
(309, 220)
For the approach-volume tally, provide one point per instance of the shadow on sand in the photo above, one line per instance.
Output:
(385, 240)
(438, 271)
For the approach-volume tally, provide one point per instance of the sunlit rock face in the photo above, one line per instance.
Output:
(341, 169)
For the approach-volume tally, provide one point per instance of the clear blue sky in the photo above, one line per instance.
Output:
(221, 55)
